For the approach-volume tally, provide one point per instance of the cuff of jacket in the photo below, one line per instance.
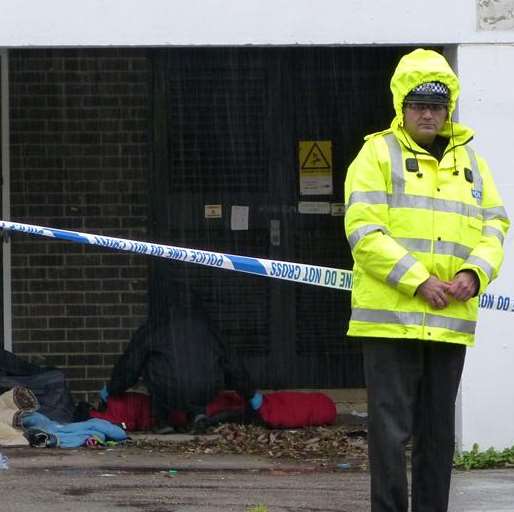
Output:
(412, 279)
(482, 277)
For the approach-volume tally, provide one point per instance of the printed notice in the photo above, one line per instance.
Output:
(213, 211)
(315, 161)
(312, 207)
(239, 218)
(337, 209)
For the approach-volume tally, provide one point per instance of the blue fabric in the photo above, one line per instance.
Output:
(256, 401)
(104, 394)
(73, 435)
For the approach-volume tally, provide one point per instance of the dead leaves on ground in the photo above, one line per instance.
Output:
(306, 444)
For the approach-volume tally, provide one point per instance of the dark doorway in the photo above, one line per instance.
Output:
(228, 123)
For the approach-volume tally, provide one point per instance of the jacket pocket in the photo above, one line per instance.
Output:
(472, 231)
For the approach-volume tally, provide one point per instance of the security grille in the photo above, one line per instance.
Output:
(217, 128)
(238, 305)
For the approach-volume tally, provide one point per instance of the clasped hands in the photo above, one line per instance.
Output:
(437, 293)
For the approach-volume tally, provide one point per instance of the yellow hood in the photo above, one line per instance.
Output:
(418, 67)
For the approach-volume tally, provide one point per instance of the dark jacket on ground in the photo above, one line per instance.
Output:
(48, 384)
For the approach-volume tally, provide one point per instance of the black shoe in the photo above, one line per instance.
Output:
(40, 439)
(200, 424)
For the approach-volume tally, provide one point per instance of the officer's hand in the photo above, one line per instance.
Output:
(435, 292)
(464, 285)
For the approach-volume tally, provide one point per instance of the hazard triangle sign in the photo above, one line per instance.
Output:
(315, 162)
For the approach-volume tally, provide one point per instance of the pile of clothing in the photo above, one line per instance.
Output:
(277, 409)
(22, 424)
(37, 409)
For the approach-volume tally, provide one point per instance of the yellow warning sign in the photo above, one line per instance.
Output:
(315, 162)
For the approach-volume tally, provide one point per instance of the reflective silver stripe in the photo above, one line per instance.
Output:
(431, 203)
(484, 265)
(490, 231)
(477, 177)
(453, 324)
(395, 156)
(440, 247)
(363, 231)
(452, 248)
(401, 267)
(367, 197)
(415, 244)
(399, 199)
(380, 316)
(495, 213)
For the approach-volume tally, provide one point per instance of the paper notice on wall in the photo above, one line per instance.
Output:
(239, 218)
(213, 211)
(315, 161)
(313, 207)
(337, 209)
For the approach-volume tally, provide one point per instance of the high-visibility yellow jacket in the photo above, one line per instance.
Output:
(404, 226)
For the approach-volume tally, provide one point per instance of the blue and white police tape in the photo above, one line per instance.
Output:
(296, 272)
(496, 302)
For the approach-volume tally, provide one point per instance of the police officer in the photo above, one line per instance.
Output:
(426, 227)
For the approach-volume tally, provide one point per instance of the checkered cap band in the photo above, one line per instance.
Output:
(429, 92)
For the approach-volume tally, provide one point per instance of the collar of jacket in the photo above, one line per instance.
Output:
(461, 135)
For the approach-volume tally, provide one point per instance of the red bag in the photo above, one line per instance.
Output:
(292, 409)
(133, 409)
(226, 401)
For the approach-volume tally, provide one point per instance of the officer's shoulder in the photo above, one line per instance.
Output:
(374, 136)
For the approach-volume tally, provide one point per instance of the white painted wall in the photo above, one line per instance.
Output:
(6, 200)
(487, 105)
(233, 22)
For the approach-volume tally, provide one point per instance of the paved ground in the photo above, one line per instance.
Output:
(126, 479)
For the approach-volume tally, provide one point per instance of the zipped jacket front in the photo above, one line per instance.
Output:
(405, 226)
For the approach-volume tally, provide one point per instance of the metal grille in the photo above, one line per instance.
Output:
(239, 305)
(217, 128)
(322, 314)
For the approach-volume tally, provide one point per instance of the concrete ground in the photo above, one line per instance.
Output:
(128, 479)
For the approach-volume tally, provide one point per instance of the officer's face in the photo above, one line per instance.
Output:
(423, 121)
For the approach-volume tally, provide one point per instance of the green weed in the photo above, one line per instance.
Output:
(475, 459)
(258, 508)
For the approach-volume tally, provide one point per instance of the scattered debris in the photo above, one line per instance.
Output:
(4, 462)
(313, 443)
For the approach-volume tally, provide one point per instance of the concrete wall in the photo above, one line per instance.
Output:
(487, 104)
(230, 22)
(5, 173)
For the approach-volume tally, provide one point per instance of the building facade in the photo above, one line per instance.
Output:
(128, 120)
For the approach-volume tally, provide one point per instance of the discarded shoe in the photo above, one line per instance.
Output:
(24, 399)
(17, 418)
(40, 439)
(200, 424)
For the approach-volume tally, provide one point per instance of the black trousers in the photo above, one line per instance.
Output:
(412, 388)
